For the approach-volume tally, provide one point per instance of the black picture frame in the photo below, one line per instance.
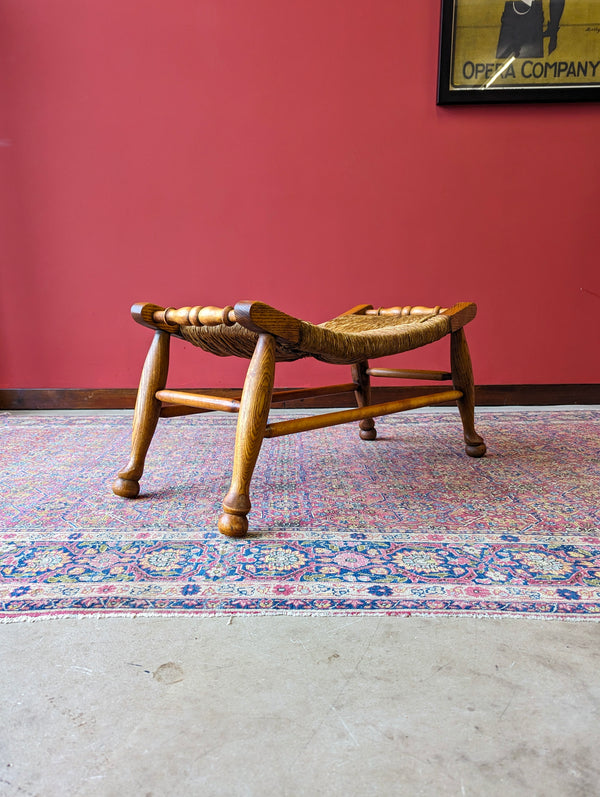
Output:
(475, 52)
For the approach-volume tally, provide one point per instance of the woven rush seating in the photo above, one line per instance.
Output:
(345, 340)
(265, 336)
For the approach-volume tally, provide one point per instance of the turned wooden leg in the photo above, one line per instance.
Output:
(145, 417)
(362, 392)
(252, 421)
(462, 378)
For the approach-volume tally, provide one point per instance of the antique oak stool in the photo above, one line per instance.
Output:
(264, 335)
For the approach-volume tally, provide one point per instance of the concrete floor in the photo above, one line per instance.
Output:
(300, 706)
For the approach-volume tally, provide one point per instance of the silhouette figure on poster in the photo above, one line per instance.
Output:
(556, 9)
(522, 30)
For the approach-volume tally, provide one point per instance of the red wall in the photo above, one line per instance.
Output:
(207, 151)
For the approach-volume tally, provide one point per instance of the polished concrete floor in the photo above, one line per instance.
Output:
(286, 705)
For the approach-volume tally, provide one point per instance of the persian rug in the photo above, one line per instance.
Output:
(404, 525)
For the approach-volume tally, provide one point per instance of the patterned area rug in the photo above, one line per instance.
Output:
(407, 524)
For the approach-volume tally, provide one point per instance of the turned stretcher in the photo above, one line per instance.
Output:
(265, 336)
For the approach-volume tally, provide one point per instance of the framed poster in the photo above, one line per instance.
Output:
(519, 51)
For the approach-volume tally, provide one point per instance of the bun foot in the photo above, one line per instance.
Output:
(476, 449)
(368, 434)
(126, 488)
(367, 430)
(233, 525)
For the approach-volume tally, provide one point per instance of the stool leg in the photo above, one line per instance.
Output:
(462, 379)
(362, 391)
(252, 421)
(145, 417)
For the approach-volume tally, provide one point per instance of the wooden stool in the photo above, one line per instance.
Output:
(265, 335)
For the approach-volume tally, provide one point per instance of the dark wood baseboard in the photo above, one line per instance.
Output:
(124, 398)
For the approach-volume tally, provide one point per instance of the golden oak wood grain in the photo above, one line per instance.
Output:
(197, 316)
(460, 314)
(403, 373)
(362, 393)
(260, 317)
(178, 410)
(462, 379)
(360, 309)
(198, 400)
(252, 421)
(344, 416)
(146, 414)
(406, 310)
(280, 396)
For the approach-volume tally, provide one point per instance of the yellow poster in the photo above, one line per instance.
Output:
(524, 44)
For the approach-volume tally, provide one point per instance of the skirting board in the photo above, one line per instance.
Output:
(124, 398)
